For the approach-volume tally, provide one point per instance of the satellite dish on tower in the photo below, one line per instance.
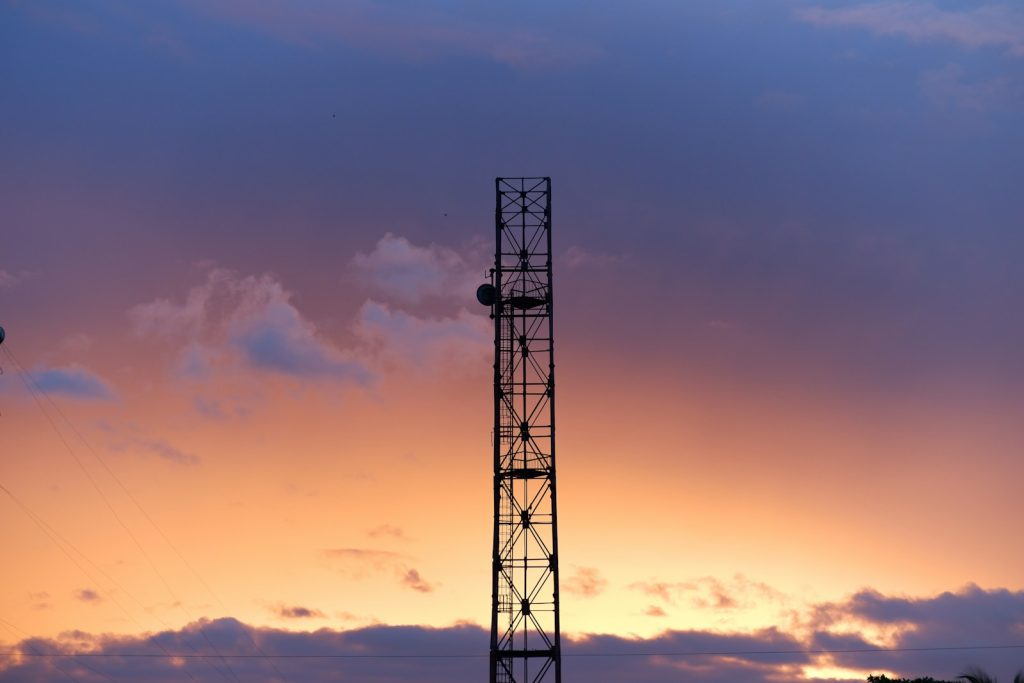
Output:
(486, 294)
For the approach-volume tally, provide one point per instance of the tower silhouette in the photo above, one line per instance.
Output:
(525, 641)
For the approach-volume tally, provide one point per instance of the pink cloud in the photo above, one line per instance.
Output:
(236, 323)
(447, 344)
(586, 582)
(247, 320)
(411, 273)
(361, 563)
(976, 27)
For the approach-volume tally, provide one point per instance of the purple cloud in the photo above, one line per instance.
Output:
(166, 451)
(971, 616)
(279, 340)
(73, 381)
(251, 321)
(133, 442)
(297, 612)
(413, 580)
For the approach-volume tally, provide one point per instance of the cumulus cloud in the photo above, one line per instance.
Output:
(232, 322)
(249, 320)
(970, 616)
(393, 653)
(446, 344)
(73, 381)
(954, 619)
(978, 25)
(410, 273)
(586, 582)
(278, 339)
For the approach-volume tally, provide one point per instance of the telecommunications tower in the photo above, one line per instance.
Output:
(525, 645)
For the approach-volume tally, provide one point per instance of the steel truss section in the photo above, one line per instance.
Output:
(525, 642)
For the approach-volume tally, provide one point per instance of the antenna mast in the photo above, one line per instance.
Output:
(525, 641)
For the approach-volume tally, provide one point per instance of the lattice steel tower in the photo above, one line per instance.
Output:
(525, 645)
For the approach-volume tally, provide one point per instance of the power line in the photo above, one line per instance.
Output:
(61, 542)
(35, 391)
(57, 666)
(676, 653)
(124, 489)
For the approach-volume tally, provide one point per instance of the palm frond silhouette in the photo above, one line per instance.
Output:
(977, 675)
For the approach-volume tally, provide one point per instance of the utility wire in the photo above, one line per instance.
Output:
(57, 666)
(145, 514)
(675, 653)
(61, 542)
(35, 391)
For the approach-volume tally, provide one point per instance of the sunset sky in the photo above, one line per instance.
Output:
(238, 248)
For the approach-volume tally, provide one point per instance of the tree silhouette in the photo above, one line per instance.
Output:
(971, 675)
(885, 679)
(976, 675)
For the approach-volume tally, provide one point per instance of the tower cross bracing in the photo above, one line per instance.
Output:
(525, 641)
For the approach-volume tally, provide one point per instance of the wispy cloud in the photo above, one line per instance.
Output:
(709, 592)
(163, 450)
(417, 31)
(297, 612)
(585, 582)
(578, 257)
(388, 531)
(360, 563)
(951, 86)
(8, 279)
(976, 26)
(413, 580)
